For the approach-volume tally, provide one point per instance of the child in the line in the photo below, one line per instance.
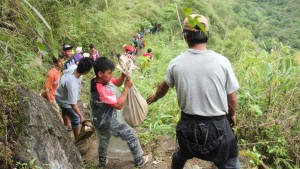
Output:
(68, 93)
(52, 82)
(106, 100)
(148, 54)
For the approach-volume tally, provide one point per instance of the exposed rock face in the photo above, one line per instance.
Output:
(43, 137)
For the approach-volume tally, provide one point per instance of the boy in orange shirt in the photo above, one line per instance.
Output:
(52, 82)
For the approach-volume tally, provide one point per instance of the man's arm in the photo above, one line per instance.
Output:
(122, 99)
(161, 91)
(76, 109)
(120, 80)
(232, 106)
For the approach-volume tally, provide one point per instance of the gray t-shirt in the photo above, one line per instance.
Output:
(202, 79)
(68, 91)
(70, 69)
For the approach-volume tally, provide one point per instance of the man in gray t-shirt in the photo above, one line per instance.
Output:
(206, 92)
(68, 92)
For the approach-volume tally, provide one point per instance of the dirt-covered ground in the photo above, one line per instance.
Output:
(161, 153)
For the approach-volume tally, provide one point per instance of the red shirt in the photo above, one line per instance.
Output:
(52, 82)
(128, 48)
(149, 55)
(105, 94)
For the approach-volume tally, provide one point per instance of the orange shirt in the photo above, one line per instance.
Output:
(52, 82)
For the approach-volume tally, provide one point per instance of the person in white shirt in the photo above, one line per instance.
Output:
(206, 92)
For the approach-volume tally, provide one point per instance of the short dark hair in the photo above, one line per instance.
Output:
(91, 45)
(118, 55)
(102, 64)
(149, 50)
(193, 37)
(60, 56)
(85, 65)
(54, 60)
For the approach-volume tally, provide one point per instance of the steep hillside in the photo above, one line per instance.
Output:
(255, 35)
(269, 19)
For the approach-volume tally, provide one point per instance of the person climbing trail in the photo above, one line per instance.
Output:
(68, 93)
(106, 100)
(206, 92)
(69, 58)
(78, 54)
(51, 84)
(148, 54)
(128, 49)
(94, 54)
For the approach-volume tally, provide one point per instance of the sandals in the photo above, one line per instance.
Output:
(103, 165)
(68, 128)
(146, 159)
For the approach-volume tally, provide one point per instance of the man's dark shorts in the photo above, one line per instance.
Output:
(207, 138)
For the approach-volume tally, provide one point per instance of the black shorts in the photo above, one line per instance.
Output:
(207, 138)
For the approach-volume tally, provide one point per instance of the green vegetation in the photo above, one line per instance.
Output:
(259, 39)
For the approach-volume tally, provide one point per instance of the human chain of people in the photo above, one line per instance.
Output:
(207, 98)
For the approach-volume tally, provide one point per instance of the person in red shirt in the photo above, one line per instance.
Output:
(128, 48)
(94, 53)
(52, 82)
(148, 54)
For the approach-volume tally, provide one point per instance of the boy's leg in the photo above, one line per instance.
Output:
(75, 120)
(56, 108)
(66, 121)
(76, 132)
(127, 134)
(103, 138)
(65, 117)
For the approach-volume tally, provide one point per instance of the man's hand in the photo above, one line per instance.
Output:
(151, 99)
(81, 118)
(232, 120)
(161, 91)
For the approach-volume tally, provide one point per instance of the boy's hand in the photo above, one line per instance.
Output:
(128, 83)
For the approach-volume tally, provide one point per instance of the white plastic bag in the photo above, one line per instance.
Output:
(135, 109)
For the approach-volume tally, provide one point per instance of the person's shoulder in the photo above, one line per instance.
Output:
(218, 55)
(53, 72)
(179, 57)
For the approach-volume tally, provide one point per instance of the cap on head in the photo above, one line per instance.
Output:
(78, 50)
(67, 47)
(202, 19)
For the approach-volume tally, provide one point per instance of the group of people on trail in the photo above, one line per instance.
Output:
(206, 89)
(67, 62)
(105, 100)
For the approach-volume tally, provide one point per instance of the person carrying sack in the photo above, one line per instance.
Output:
(105, 100)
